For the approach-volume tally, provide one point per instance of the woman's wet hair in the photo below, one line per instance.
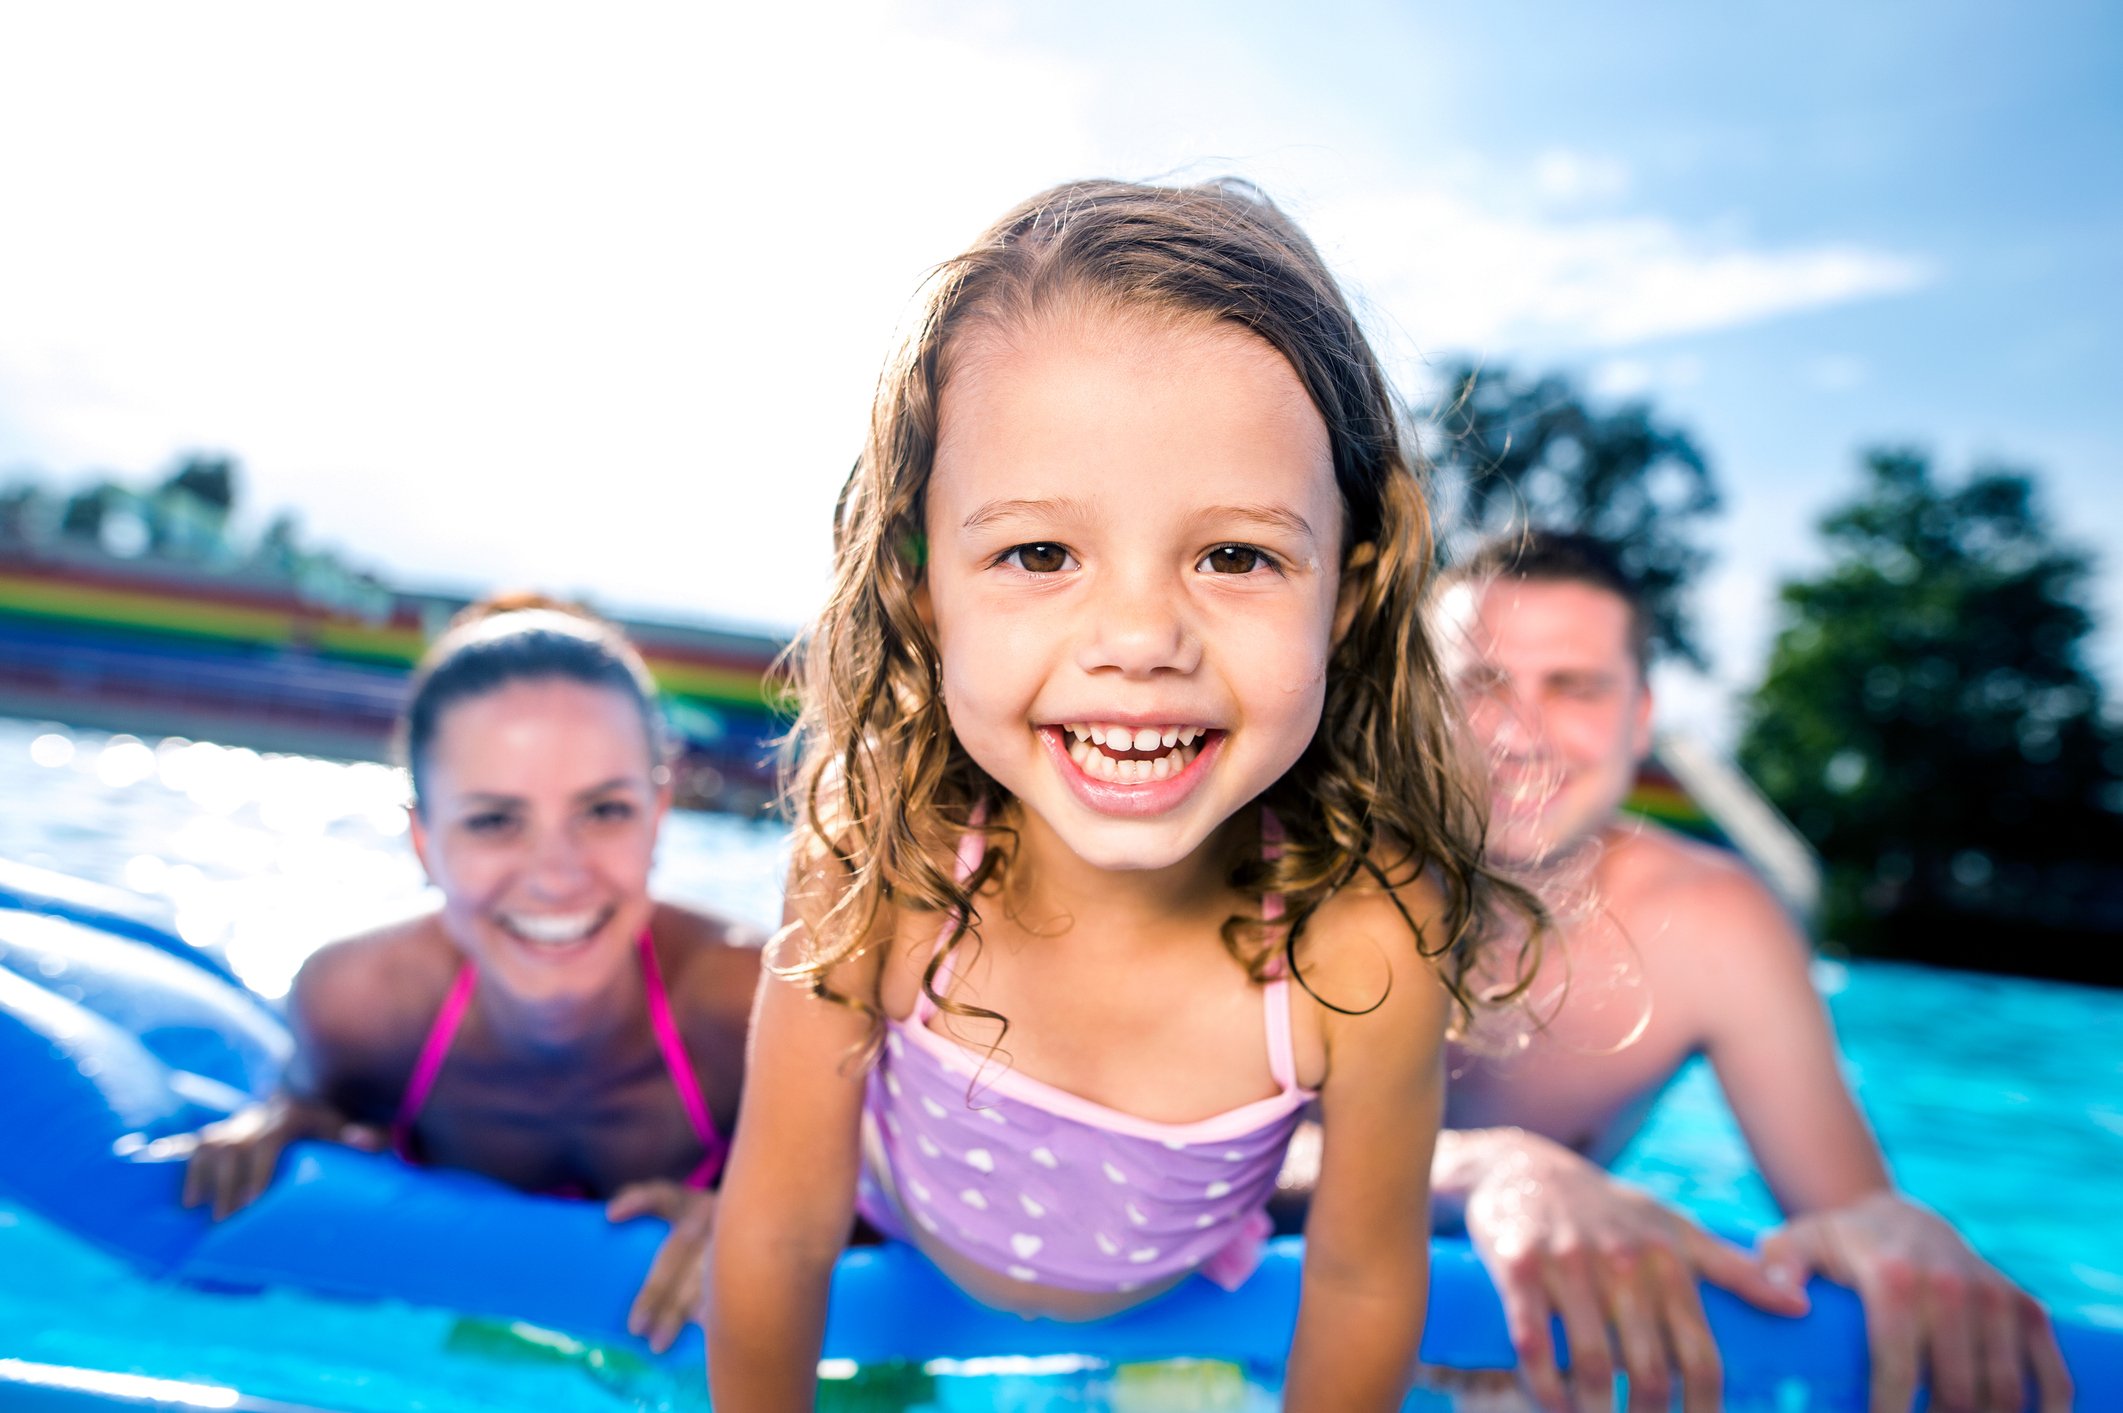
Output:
(521, 637)
(1386, 787)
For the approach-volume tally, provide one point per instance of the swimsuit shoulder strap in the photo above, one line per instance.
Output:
(433, 1051)
(972, 848)
(668, 1040)
(1275, 993)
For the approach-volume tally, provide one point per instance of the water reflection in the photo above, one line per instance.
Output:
(264, 858)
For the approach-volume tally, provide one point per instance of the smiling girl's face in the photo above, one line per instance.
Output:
(1134, 540)
(538, 822)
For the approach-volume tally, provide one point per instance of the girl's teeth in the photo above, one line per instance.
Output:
(1100, 766)
(1089, 744)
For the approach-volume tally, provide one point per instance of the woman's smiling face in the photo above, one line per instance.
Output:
(538, 822)
(1134, 540)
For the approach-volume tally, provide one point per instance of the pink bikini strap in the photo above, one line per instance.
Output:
(972, 848)
(687, 1083)
(1275, 995)
(433, 1051)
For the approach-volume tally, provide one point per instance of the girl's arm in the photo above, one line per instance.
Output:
(1367, 1238)
(788, 1197)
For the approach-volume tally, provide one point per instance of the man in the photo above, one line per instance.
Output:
(1663, 948)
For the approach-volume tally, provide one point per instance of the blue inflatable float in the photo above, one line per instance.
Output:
(113, 1034)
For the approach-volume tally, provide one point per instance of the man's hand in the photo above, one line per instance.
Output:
(1562, 1238)
(671, 1294)
(1928, 1299)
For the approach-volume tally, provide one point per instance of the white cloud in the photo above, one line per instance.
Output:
(1458, 274)
(496, 295)
(503, 294)
(1566, 177)
(1628, 376)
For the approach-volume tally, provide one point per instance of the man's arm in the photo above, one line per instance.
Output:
(1742, 972)
(1934, 1310)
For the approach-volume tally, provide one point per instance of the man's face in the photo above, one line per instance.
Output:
(1557, 703)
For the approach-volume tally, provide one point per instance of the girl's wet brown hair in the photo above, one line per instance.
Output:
(521, 637)
(878, 780)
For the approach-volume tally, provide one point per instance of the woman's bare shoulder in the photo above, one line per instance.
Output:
(712, 960)
(367, 1000)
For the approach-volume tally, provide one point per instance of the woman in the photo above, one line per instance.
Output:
(549, 1025)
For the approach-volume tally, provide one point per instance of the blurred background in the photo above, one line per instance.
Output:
(315, 323)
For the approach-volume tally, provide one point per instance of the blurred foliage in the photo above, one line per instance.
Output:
(1928, 721)
(1511, 453)
(209, 480)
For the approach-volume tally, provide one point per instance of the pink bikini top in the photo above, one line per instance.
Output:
(437, 1047)
(1043, 1185)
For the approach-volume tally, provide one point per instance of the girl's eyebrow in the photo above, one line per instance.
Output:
(1054, 508)
(1275, 517)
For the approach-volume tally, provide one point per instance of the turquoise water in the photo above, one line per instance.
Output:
(2000, 1103)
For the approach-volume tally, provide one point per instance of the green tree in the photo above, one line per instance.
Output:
(207, 479)
(1510, 452)
(82, 519)
(1928, 721)
(189, 511)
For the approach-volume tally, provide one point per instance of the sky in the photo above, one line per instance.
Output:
(594, 300)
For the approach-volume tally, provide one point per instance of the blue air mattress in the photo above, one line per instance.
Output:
(113, 1034)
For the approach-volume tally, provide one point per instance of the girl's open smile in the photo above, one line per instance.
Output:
(1119, 769)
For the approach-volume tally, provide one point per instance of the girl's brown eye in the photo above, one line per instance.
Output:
(1233, 559)
(1041, 558)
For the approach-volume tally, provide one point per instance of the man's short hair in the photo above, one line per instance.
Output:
(1563, 557)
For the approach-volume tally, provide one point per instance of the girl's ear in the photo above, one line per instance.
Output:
(924, 608)
(1349, 595)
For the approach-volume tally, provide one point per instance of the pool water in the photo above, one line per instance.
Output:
(1999, 1102)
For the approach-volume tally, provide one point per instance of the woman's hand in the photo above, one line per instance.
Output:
(671, 1294)
(1561, 1238)
(232, 1161)
(1928, 1298)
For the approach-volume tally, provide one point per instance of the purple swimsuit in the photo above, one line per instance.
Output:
(1045, 1186)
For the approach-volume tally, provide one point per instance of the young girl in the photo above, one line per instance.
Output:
(1129, 819)
(550, 1024)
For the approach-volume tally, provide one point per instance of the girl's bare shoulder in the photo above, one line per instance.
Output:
(1386, 915)
(1365, 965)
(876, 948)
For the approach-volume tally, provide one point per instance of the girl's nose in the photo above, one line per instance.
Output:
(1139, 627)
